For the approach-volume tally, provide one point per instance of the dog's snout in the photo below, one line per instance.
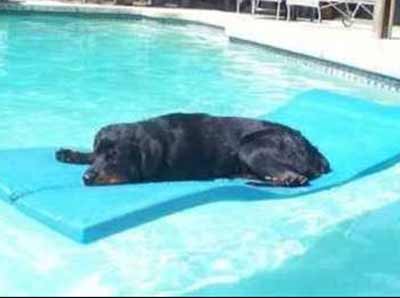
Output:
(89, 177)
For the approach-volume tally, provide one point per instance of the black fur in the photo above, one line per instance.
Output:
(199, 147)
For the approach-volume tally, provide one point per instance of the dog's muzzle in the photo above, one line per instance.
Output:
(89, 177)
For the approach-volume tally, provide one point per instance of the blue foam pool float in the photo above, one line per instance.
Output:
(358, 137)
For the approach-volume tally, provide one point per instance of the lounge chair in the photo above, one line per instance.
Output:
(362, 5)
(256, 6)
(343, 7)
(306, 3)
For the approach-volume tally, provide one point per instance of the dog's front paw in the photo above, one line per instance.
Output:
(291, 179)
(64, 155)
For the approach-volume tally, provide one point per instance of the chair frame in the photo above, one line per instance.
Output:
(347, 14)
(255, 4)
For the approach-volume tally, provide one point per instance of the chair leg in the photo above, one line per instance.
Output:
(319, 14)
(354, 14)
(367, 10)
(287, 12)
(278, 10)
(238, 2)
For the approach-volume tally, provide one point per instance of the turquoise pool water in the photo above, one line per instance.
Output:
(63, 77)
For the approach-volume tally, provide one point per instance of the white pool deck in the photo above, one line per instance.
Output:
(330, 40)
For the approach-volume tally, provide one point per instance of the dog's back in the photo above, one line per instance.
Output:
(204, 146)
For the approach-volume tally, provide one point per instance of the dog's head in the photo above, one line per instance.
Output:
(114, 163)
(124, 154)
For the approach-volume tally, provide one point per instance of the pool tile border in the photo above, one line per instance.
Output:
(332, 68)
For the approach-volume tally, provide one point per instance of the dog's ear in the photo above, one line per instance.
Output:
(248, 138)
(151, 158)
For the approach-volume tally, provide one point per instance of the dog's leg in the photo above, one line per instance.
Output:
(278, 175)
(74, 157)
(265, 165)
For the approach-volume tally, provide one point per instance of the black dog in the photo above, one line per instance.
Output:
(199, 147)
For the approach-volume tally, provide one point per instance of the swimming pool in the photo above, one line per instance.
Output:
(62, 77)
